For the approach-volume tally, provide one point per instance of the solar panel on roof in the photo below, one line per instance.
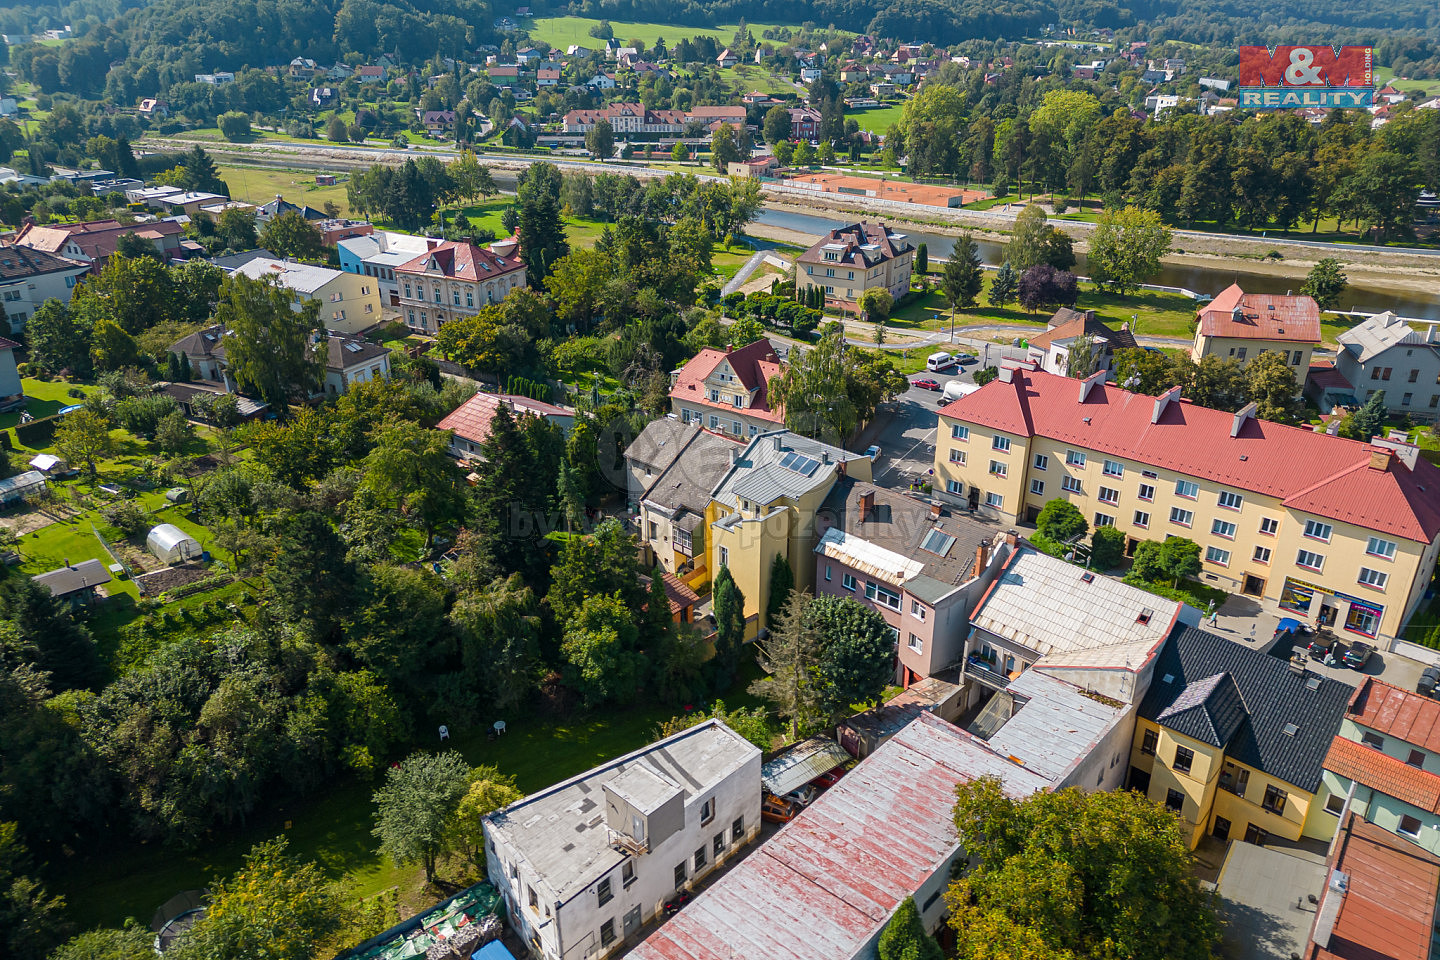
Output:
(799, 463)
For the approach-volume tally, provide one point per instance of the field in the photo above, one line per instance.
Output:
(1425, 88)
(564, 31)
(878, 119)
(258, 185)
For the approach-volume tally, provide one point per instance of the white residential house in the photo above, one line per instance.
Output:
(29, 277)
(378, 254)
(584, 864)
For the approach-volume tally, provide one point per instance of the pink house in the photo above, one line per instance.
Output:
(922, 567)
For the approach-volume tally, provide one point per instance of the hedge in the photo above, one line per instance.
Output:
(37, 433)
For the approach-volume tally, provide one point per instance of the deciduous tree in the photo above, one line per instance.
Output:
(83, 437)
(1325, 282)
(1270, 383)
(1126, 247)
(268, 344)
(290, 235)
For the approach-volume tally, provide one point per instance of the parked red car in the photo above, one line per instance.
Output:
(828, 779)
(925, 384)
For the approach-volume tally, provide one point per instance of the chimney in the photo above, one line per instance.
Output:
(935, 511)
(982, 556)
(825, 456)
(734, 455)
(867, 505)
(1006, 375)
(1012, 539)
(1407, 453)
(1162, 402)
(1380, 458)
(1089, 383)
(1246, 412)
(779, 442)
(729, 348)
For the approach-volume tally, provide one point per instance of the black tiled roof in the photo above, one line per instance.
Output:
(1250, 720)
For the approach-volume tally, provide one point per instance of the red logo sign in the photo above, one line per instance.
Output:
(1306, 67)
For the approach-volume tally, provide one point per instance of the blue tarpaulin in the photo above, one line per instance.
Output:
(1287, 625)
(494, 950)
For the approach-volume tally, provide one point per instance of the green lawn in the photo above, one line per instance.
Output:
(1424, 88)
(563, 31)
(258, 185)
(878, 119)
(1157, 314)
(132, 880)
(46, 398)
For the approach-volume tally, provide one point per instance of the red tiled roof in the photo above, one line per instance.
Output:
(1399, 713)
(471, 420)
(754, 364)
(96, 239)
(1394, 778)
(1263, 316)
(1389, 902)
(461, 261)
(1327, 476)
(1325, 376)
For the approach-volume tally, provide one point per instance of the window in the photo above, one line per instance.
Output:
(827, 573)
(917, 610)
(1037, 487)
(1296, 357)
(994, 500)
(1042, 462)
(1187, 489)
(1416, 759)
(717, 845)
(1381, 548)
(724, 556)
(1372, 740)
(1334, 804)
(1148, 743)
(707, 811)
(957, 456)
(1147, 491)
(1405, 400)
(1373, 578)
(680, 874)
(1262, 554)
(882, 595)
(1075, 458)
(534, 900)
(959, 432)
(1113, 469)
(1217, 556)
(1109, 495)
(1071, 484)
(1104, 520)
(848, 581)
(737, 830)
(1184, 759)
(1274, 799)
(1410, 826)
(917, 644)
(955, 487)
(737, 400)
(1175, 800)
(1223, 528)
(701, 858)
(1240, 354)
(1309, 560)
(1142, 519)
(607, 933)
(1316, 530)
(1000, 443)
(1182, 517)
(714, 422)
(1269, 526)
(998, 469)
(455, 296)
(627, 873)
(604, 892)
(1230, 501)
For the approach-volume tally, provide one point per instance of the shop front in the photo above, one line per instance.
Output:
(1331, 609)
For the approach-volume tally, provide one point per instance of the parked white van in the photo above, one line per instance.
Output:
(939, 361)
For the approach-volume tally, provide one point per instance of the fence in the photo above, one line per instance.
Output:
(113, 555)
(1414, 651)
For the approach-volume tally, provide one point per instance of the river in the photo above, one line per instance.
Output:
(1203, 280)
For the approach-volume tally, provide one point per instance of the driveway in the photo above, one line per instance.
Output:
(905, 429)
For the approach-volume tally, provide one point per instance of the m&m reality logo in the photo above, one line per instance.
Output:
(1281, 78)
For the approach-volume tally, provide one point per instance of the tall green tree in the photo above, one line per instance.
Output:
(789, 653)
(812, 390)
(1270, 383)
(1003, 286)
(58, 340)
(1028, 238)
(290, 235)
(312, 583)
(412, 468)
(1325, 282)
(776, 126)
(600, 140)
(489, 790)
(1369, 420)
(1061, 521)
(267, 343)
(922, 259)
(782, 581)
(601, 647)
(31, 921)
(724, 149)
(274, 906)
(961, 279)
(1126, 247)
(1218, 383)
(415, 808)
(83, 437)
(857, 655)
(540, 231)
(1076, 875)
(728, 605)
(904, 937)
(199, 173)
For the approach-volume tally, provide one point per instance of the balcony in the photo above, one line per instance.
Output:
(986, 673)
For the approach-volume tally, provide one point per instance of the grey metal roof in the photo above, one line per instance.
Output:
(74, 578)
(802, 763)
(660, 442)
(1269, 694)
(561, 833)
(761, 460)
(1379, 333)
(1055, 727)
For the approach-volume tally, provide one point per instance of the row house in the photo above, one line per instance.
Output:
(379, 253)
(456, 279)
(676, 466)
(349, 304)
(1335, 532)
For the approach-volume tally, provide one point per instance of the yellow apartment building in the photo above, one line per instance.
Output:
(1240, 326)
(1234, 741)
(1336, 532)
(850, 260)
(765, 505)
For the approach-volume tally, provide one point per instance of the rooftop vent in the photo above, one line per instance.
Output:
(1087, 577)
(1168, 678)
(1313, 683)
(1145, 615)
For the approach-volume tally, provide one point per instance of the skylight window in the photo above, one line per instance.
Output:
(799, 463)
(1290, 729)
(938, 542)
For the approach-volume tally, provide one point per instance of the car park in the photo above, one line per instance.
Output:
(925, 383)
(1358, 655)
(804, 796)
(777, 809)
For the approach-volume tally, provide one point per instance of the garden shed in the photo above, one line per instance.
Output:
(172, 545)
(21, 486)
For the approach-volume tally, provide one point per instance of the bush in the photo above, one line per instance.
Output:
(37, 433)
(128, 517)
(1107, 548)
(76, 393)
